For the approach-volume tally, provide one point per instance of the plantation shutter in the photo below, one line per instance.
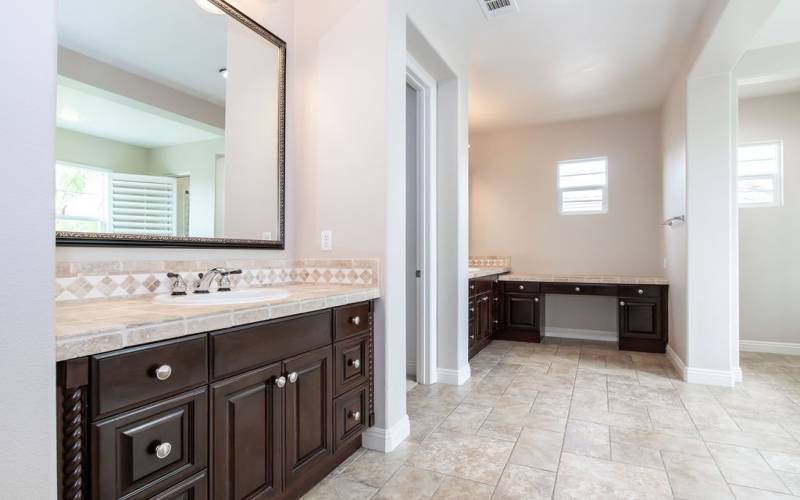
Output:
(143, 204)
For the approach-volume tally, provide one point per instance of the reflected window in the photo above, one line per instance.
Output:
(81, 198)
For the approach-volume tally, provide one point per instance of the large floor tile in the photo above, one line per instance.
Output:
(453, 488)
(466, 419)
(538, 448)
(524, 483)
(588, 439)
(409, 483)
(695, 477)
(469, 457)
(338, 488)
(584, 477)
(745, 467)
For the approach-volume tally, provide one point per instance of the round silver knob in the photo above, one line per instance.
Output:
(496, 299)
(355, 363)
(163, 450)
(356, 320)
(293, 377)
(622, 303)
(472, 309)
(356, 415)
(485, 299)
(472, 337)
(496, 321)
(522, 287)
(280, 382)
(163, 372)
(472, 287)
(577, 289)
(536, 299)
(640, 291)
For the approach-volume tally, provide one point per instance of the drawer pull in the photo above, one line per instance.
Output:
(640, 291)
(496, 299)
(163, 450)
(356, 320)
(355, 363)
(280, 382)
(472, 287)
(497, 322)
(472, 337)
(293, 377)
(472, 309)
(522, 287)
(577, 289)
(163, 372)
(536, 299)
(485, 299)
(622, 303)
(356, 416)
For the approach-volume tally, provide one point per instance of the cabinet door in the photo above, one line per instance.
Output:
(309, 417)
(473, 323)
(522, 311)
(247, 432)
(640, 318)
(484, 315)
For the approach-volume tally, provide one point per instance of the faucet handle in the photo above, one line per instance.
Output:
(225, 280)
(178, 285)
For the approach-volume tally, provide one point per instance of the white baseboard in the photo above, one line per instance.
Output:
(737, 374)
(702, 376)
(770, 347)
(580, 334)
(454, 377)
(386, 440)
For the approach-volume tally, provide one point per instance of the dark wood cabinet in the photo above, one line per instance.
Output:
(247, 429)
(255, 412)
(482, 312)
(309, 421)
(642, 314)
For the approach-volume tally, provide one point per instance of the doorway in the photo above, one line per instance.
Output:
(421, 364)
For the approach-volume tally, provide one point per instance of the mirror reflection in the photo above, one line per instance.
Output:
(168, 122)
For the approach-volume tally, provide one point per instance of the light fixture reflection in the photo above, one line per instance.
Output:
(223, 72)
(208, 7)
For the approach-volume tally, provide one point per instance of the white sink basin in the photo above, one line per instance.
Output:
(244, 296)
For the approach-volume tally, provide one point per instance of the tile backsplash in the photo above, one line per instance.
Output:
(490, 261)
(127, 279)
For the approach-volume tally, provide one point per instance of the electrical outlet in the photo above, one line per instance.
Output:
(326, 240)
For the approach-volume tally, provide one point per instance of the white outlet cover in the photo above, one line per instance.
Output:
(326, 240)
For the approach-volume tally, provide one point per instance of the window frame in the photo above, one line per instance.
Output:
(777, 177)
(560, 191)
(105, 223)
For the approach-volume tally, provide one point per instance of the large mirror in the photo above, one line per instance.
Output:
(170, 124)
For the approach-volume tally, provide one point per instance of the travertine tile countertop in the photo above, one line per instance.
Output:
(92, 327)
(586, 278)
(480, 272)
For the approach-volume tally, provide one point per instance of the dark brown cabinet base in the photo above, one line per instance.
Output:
(642, 311)
(261, 411)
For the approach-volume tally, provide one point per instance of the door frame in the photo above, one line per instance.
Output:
(425, 85)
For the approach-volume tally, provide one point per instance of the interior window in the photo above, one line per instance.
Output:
(759, 170)
(583, 186)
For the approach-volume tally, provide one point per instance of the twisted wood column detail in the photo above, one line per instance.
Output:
(73, 443)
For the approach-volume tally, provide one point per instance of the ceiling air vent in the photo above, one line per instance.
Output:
(498, 8)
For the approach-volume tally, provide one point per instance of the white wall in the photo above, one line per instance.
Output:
(769, 238)
(27, 343)
(514, 207)
(86, 149)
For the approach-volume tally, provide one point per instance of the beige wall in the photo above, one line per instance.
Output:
(769, 238)
(514, 206)
(513, 199)
(94, 151)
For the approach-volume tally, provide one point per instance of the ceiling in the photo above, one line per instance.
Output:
(93, 111)
(782, 27)
(565, 59)
(172, 42)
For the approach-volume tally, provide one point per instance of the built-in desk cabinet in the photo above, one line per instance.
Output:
(483, 312)
(258, 411)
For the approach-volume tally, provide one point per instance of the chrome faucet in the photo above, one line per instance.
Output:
(207, 278)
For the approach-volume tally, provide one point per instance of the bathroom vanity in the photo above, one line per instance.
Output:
(263, 409)
(512, 307)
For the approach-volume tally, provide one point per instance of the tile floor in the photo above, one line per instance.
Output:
(571, 419)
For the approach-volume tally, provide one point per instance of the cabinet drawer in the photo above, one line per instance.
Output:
(244, 348)
(521, 287)
(351, 320)
(194, 488)
(579, 289)
(127, 378)
(652, 291)
(480, 285)
(150, 447)
(349, 416)
(350, 364)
